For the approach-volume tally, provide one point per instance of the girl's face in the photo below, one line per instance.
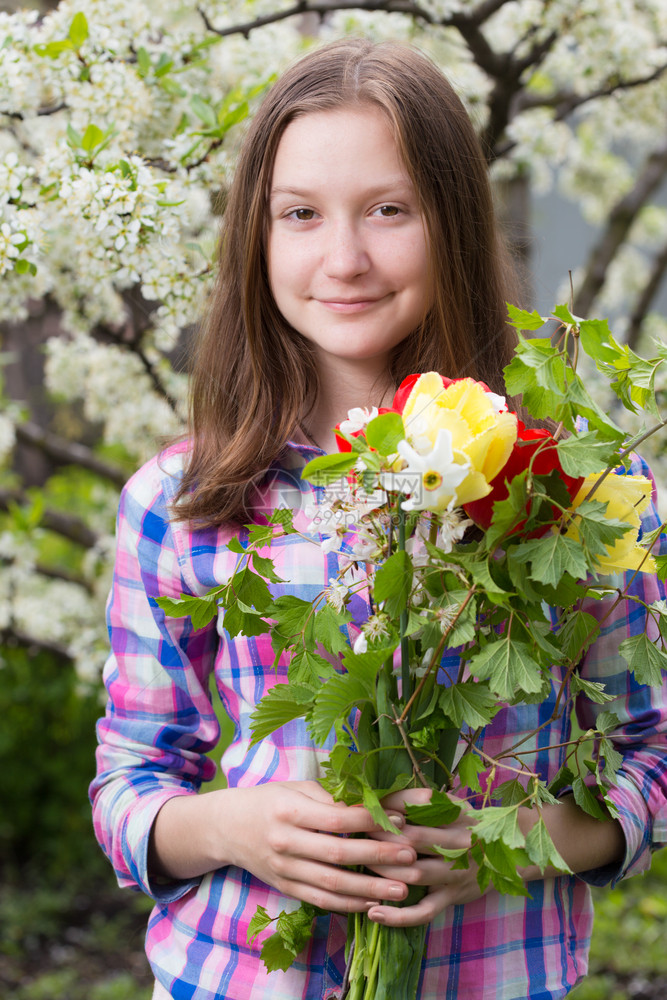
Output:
(347, 248)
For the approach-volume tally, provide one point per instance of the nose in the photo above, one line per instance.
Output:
(345, 253)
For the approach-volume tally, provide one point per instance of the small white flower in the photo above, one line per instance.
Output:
(329, 544)
(376, 627)
(360, 644)
(336, 595)
(453, 528)
(357, 418)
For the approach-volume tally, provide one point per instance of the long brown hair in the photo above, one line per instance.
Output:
(254, 376)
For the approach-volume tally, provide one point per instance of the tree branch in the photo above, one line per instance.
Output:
(55, 573)
(68, 452)
(67, 525)
(11, 636)
(621, 219)
(648, 293)
(566, 101)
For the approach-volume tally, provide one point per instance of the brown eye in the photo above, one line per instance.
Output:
(389, 211)
(304, 214)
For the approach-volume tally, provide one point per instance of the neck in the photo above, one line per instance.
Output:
(350, 385)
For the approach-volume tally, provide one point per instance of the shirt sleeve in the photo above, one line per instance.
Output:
(640, 790)
(159, 722)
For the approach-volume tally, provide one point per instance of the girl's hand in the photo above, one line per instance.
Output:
(446, 887)
(290, 835)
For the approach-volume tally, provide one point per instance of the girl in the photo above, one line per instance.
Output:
(359, 246)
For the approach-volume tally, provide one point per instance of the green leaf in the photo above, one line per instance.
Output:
(264, 567)
(586, 800)
(541, 849)
(645, 659)
(53, 49)
(579, 631)
(372, 803)
(440, 811)
(597, 340)
(522, 320)
(293, 616)
(259, 922)
(22, 266)
(453, 854)
(469, 769)
(563, 779)
(276, 955)
(252, 590)
(201, 610)
(499, 864)
(586, 454)
(240, 619)
(384, 432)
(510, 793)
(328, 623)
(499, 823)
(335, 701)
(564, 315)
(164, 65)
(509, 512)
(509, 667)
(279, 706)
(469, 703)
(596, 530)
(365, 666)
(143, 62)
(92, 137)
(328, 468)
(393, 582)
(551, 557)
(308, 667)
(73, 137)
(607, 722)
(613, 760)
(204, 111)
(593, 690)
(78, 30)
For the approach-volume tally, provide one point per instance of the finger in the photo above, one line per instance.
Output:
(422, 912)
(422, 838)
(424, 872)
(409, 796)
(338, 851)
(340, 882)
(304, 811)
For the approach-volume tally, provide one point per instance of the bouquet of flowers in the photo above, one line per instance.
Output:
(481, 545)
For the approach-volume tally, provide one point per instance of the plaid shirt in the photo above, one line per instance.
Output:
(159, 726)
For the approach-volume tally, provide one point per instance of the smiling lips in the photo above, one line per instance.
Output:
(350, 305)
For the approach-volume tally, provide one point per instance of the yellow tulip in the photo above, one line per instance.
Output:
(481, 437)
(626, 497)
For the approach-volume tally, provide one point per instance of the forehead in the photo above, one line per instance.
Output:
(345, 140)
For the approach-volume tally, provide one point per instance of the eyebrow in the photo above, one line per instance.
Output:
(391, 184)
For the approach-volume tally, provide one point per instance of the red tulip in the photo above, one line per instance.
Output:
(529, 443)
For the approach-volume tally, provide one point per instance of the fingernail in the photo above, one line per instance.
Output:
(377, 916)
(397, 891)
(405, 857)
(397, 820)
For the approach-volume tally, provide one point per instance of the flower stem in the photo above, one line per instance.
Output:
(374, 955)
(403, 621)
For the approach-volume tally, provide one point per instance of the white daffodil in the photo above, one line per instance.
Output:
(439, 474)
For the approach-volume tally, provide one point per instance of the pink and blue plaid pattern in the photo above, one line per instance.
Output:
(159, 726)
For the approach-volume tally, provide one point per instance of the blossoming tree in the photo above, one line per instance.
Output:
(120, 125)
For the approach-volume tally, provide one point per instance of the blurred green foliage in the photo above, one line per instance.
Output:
(47, 745)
